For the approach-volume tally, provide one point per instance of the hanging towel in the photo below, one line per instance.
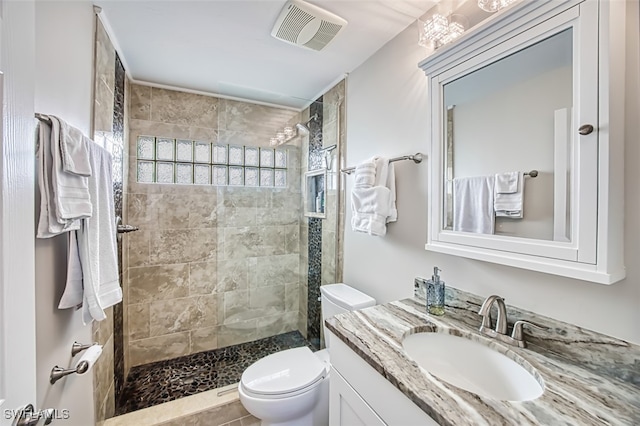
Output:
(506, 183)
(73, 293)
(473, 204)
(386, 177)
(509, 204)
(58, 188)
(48, 225)
(73, 147)
(373, 207)
(71, 193)
(97, 241)
(365, 174)
(391, 184)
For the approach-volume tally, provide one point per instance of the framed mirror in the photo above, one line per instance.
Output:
(515, 178)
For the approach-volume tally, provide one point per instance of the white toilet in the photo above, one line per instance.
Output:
(292, 387)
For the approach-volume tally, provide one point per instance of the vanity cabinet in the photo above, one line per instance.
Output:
(360, 396)
(536, 87)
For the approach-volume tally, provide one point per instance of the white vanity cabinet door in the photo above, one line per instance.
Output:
(347, 408)
(359, 393)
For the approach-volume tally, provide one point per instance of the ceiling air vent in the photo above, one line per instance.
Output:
(306, 25)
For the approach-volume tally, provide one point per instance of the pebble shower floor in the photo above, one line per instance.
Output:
(152, 384)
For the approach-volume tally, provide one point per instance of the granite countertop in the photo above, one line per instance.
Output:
(589, 378)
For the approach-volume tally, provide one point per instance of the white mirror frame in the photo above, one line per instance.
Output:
(595, 252)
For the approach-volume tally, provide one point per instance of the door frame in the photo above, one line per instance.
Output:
(17, 228)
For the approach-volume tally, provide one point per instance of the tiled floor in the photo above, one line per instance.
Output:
(152, 384)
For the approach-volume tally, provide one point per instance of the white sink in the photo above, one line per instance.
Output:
(472, 366)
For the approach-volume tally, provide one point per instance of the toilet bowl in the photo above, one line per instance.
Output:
(291, 387)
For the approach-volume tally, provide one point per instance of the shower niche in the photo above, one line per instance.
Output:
(315, 194)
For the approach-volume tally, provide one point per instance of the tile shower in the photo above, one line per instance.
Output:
(215, 268)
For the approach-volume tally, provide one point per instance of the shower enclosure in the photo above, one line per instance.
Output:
(226, 266)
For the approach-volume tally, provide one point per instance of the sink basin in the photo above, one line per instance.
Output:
(472, 366)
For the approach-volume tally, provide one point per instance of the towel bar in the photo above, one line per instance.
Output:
(417, 158)
(531, 174)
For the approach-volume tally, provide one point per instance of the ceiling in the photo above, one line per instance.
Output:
(225, 47)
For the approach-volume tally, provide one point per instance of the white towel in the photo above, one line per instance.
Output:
(97, 241)
(365, 174)
(71, 193)
(473, 204)
(49, 222)
(391, 184)
(386, 177)
(73, 293)
(373, 207)
(510, 204)
(507, 183)
(73, 146)
(370, 210)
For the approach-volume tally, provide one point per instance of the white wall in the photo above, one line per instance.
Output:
(64, 63)
(386, 111)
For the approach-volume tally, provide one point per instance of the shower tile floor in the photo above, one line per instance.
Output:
(152, 384)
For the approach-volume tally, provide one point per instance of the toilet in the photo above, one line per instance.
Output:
(291, 387)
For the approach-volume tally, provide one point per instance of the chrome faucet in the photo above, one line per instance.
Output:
(485, 311)
(501, 330)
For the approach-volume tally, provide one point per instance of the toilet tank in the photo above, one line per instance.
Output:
(339, 298)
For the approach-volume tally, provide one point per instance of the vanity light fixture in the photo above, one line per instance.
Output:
(283, 137)
(289, 132)
(493, 5)
(440, 30)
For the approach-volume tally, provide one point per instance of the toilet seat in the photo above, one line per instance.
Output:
(283, 374)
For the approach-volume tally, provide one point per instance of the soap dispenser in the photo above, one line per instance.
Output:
(435, 293)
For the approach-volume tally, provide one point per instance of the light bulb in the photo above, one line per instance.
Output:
(436, 28)
(493, 5)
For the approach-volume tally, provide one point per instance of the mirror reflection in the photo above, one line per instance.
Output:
(503, 121)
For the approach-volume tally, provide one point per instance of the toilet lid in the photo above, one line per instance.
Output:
(283, 372)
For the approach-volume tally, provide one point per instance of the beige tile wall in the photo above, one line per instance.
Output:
(210, 266)
(333, 132)
(232, 414)
(210, 408)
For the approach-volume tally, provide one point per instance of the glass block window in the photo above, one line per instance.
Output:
(266, 177)
(187, 162)
(251, 156)
(184, 173)
(266, 157)
(220, 174)
(146, 148)
(219, 154)
(236, 175)
(164, 172)
(184, 151)
(201, 174)
(145, 171)
(280, 177)
(165, 149)
(236, 155)
(251, 176)
(202, 152)
(281, 159)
